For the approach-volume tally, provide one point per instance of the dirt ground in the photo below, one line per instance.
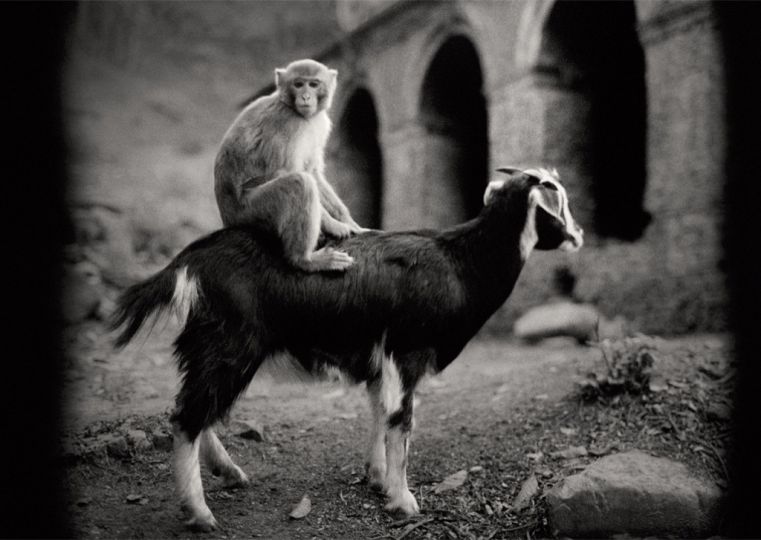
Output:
(499, 411)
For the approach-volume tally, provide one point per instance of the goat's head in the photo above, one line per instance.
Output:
(553, 225)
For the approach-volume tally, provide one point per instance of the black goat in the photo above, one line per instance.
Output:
(408, 306)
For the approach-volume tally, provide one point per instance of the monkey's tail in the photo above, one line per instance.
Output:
(142, 301)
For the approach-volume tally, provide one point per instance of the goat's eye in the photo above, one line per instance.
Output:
(550, 185)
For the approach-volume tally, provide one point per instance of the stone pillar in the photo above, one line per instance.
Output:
(403, 190)
(686, 157)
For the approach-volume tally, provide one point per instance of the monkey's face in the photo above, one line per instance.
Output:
(306, 86)
(308, 96)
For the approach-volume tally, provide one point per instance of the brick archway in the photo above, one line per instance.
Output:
(453, 116)
(356, 161)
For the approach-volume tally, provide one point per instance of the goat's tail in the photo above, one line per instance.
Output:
(150, 298)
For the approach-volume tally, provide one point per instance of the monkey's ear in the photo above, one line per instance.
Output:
(279, 74)
(333, 74)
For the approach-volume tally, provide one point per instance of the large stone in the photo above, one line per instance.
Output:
(637, 494)
(561, 318)
(79, 297)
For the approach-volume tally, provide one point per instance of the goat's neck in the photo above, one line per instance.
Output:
(488, 252)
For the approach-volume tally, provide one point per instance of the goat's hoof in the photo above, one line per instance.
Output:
(376, 478)
(236, 479)
(205, 523)
(376, 485)
(404, 503)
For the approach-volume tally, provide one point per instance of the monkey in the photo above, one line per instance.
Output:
(269, 169)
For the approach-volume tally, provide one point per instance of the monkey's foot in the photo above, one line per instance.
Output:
(329, 259)
(337, 229)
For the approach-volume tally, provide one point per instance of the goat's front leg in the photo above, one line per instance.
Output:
(376, 456)
(397, 452)
(218, 460)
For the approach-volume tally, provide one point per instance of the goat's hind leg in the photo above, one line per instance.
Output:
(216, 458)
(187, 475)
(217, 366)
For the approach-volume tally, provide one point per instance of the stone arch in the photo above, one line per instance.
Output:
(590, 58)
(356, 160)
(453, 116)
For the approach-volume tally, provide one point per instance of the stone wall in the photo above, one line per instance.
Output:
(432, 97)
(545, 102)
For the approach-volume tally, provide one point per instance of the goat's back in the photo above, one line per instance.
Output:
(399, 281)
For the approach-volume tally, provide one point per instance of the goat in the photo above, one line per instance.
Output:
(407, 307)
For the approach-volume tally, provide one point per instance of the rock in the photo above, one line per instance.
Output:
(79, 297)
(453, 481)
(249, 429)
(529, 488)
(636, 494)
(116, 445)
(302, 509)
(138, 439)
(570, 452)
(104, 309)
(561, 318)
(719, 410)
(114, 254)
(162, 440)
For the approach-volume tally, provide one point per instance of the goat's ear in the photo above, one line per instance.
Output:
(548, 199)
(493, 186)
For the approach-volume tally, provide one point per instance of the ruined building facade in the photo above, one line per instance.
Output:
(625, 99)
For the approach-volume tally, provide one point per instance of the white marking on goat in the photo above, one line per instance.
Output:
(562, 212)
(529, 236)
(397, 447)
(187, 475)
(185, 294)
(391, 386)
(493, 186)
(376, 456)
(376, 356)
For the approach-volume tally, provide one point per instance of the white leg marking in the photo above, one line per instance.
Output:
(400, 498)
(185, 294)
(376, 457)
(187, 475)
(391, 386)
(377, 355)
(218, 460)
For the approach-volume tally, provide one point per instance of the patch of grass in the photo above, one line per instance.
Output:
(627, 368)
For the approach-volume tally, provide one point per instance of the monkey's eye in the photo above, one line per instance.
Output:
(313, 84)
(298, 84)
